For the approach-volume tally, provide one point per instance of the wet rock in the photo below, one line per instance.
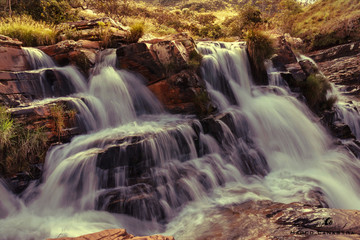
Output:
(168, 66)
(115, 234)
(81, 54)
(20, 87)
(12, 57)
(308, 67)
(270, 220)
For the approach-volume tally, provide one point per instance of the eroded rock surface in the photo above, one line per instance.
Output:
(115, 234)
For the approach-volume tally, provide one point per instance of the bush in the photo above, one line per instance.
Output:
(213, 31)
(136, 32)
(250, 17)
(260, 48)
(53, 11)
(19, 147)
(315, 89)
(27, 30)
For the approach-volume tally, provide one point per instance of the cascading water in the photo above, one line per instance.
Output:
(137, 160)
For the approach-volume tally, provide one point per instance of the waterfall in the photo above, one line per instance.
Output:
(145, 165)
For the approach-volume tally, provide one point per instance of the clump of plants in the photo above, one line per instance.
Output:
(315, 89)
(19, 146)
(136, 32)
(260, 47)
(27, 30)
(195, 59)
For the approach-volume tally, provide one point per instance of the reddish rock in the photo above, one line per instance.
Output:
(115, 234)
(40, 116)
(178, 93)
(12, 58)
(80, 53)
(164, 62)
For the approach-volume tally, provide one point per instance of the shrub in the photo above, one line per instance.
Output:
(53, 11)
(260, 47)
(27, 30)
(136, 32)
(58, 115)
(315, 89)
(19, 147)
(250, 17)
(195, 59)
(213, 31)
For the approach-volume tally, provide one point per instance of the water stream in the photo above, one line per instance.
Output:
(160, 173)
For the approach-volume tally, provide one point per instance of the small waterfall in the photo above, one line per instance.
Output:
(37, 58)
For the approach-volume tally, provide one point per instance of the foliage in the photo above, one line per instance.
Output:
(136, 32)
(326, 23)
(260, 48)
(53, 11)
(58, 115)
(250, 17)
(315, 89)
(19, 146)
(203, 104)
(27, 30)
(195, 59)
(212, 31)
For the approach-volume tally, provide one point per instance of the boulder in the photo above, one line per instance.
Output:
(109, 32)
(12, 57)
(114, 234)
(169, 65)
(81, 54)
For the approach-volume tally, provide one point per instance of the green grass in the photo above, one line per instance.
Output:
(327, 23)
(27, 30)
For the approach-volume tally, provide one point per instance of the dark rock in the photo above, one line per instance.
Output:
(336, 52)
(27, 86)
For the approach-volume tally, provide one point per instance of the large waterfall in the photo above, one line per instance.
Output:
(160, 173)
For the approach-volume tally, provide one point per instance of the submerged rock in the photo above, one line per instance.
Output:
(115, 234)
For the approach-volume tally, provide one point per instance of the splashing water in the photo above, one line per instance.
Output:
(139, 161)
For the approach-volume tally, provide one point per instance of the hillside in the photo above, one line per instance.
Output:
(327, 23)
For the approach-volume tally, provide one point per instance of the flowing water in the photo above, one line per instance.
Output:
(160, 173)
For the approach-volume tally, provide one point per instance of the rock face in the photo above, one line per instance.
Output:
(12, 58)
(115, 234)
(341, 64)
(169, 66)
(80, 53)
(270, 220)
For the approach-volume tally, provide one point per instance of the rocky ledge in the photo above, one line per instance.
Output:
(271, 220)
(115, 234)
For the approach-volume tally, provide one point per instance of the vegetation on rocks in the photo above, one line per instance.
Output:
(19, 146)
(27, 30)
